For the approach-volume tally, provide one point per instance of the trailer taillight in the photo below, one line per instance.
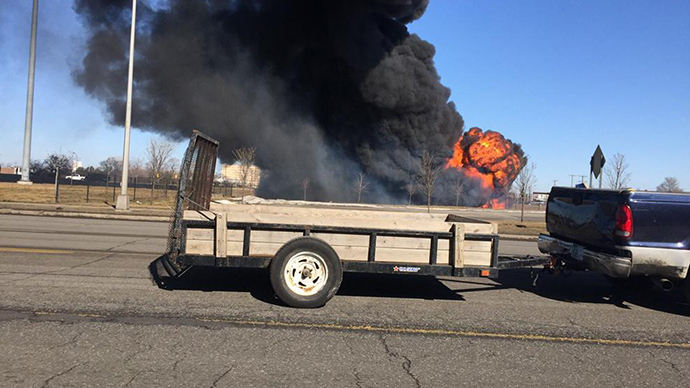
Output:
(624, 222)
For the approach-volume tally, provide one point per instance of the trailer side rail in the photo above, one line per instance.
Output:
(370, 266)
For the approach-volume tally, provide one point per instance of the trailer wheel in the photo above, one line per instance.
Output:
(686, 289)
(306, 272)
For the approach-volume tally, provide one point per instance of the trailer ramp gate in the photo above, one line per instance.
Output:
(194, 193)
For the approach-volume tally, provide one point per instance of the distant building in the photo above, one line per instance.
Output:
(10, 170)
(232, 174)
(540, 197)
(76, 164)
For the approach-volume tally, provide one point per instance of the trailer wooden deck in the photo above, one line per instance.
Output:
(331, 225)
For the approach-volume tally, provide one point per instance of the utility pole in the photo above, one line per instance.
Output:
(583, 178)
(572, 177)
(123, 198)
(26, 161)
(555, 181)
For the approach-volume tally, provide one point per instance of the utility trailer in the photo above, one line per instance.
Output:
(307, 249)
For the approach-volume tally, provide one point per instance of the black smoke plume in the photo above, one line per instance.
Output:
(324, 89)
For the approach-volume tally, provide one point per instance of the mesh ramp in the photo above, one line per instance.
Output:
(194, 193)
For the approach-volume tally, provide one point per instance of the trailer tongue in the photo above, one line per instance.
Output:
(307, 249)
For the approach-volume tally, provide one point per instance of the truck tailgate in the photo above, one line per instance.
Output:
(584, 216)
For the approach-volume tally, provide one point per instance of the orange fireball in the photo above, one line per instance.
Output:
(490, 159)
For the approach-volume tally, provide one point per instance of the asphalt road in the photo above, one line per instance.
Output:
(119, 236)
(89, 313)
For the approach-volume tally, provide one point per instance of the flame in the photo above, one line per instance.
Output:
(495, 203)
(489, 159)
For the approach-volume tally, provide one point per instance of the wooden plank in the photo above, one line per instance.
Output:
(390, 224)
(349, 247)
(459, 230)
(346, 253)
(197, 247)
(356, 219)
(221, 236)
(339, 239)
(332, 212)
(477, 259)
(209, 234)
(382, 242)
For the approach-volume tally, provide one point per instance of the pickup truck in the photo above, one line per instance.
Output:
(624, 234)
(75, 177)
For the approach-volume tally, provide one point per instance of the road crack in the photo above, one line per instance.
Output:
(406, 362)
(358, 379)
(669, 363)
(72, 341)
(60, 270)
(128, 243)
(221, 377)
(47, 381)
(133, 378)
(138, 352)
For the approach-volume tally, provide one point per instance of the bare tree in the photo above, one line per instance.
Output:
(158, 159)
(361, 186)
(305, 186)
(411, 187)
(617, 175)
(524, 184)
(246, 158)
(58, 162)
(669, 185)
(457, 188)
(110, 167)
(137, 168)
(429, 168)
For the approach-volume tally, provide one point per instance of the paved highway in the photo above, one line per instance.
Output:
(78, 306)
(118, 236)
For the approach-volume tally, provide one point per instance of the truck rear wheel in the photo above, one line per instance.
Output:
(306, 272)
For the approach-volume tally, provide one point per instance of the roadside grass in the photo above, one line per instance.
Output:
(45, 193)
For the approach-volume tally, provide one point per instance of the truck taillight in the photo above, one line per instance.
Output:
(624, 222)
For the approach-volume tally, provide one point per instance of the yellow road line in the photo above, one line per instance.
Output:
(459, 333)
(34, 250)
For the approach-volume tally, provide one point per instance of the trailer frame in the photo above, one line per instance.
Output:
(370, 265)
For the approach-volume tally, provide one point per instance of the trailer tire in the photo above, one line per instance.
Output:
(686, 289)
(306, 272)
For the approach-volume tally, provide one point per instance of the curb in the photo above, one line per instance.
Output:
(517, 237)
(102, 216)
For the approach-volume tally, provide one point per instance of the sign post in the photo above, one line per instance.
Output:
(596, 164)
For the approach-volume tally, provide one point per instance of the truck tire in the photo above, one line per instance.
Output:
(686, 289)
(306, 272)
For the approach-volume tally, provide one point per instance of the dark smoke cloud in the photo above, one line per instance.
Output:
(323, 89)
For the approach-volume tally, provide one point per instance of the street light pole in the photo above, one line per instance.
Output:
(26, 161)
(123, 198)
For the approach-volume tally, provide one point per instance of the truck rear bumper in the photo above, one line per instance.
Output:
(611, 265)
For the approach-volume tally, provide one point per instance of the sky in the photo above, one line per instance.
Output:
(559, 77)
